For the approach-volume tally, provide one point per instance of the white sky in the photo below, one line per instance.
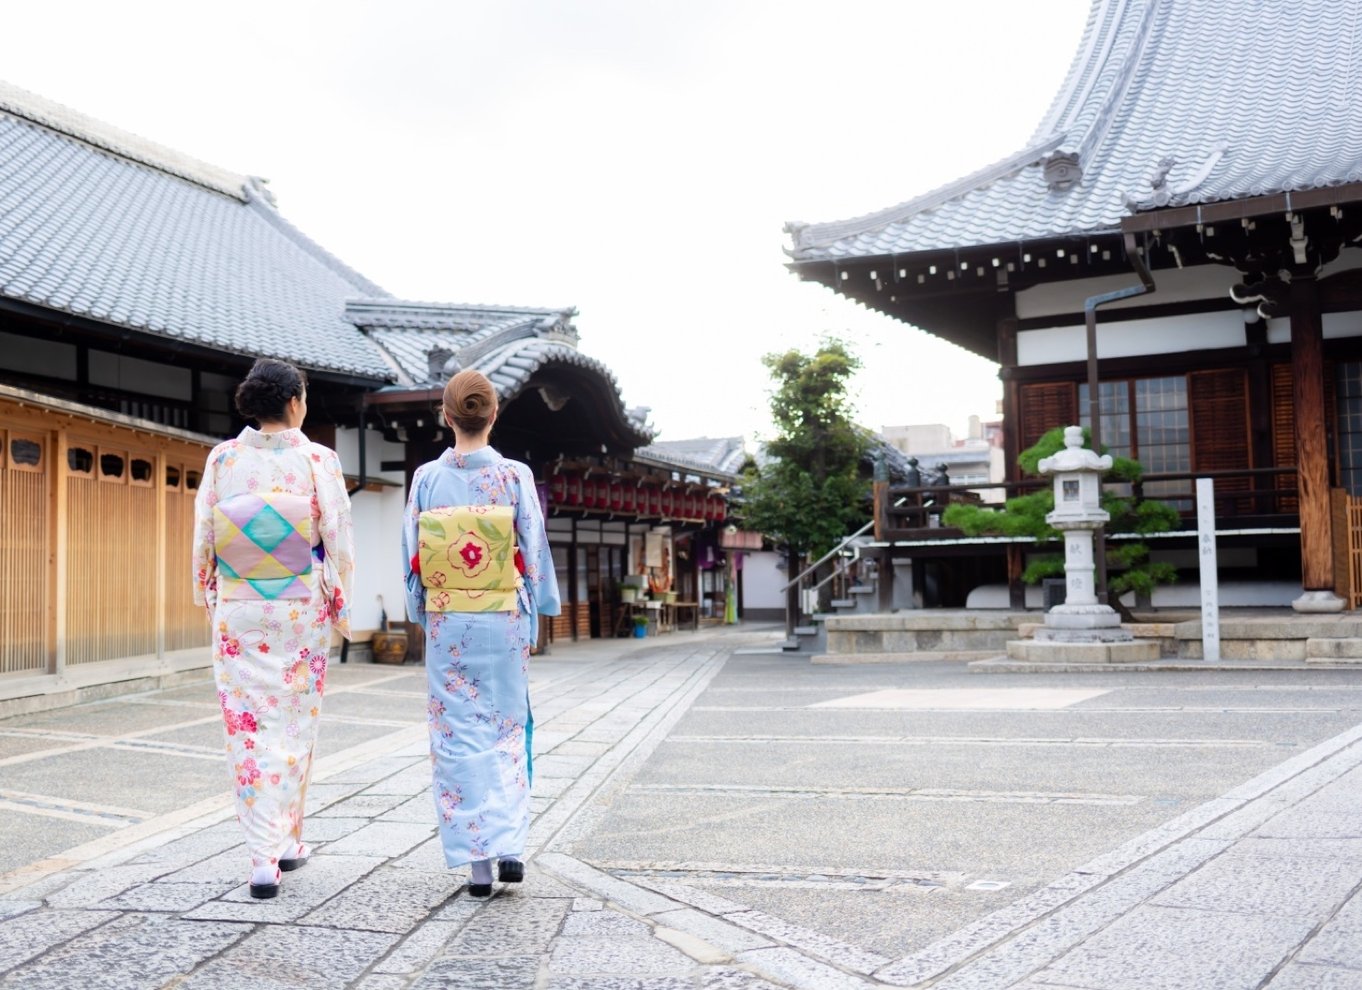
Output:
(635, 159)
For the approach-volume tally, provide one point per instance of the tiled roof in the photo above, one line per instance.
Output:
(410, 331)
(722, 456)
(1248, 97)
(101, 224)
(507, 344)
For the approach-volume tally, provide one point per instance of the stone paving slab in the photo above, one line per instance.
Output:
(1155, 948)
(387, 900)
(287, 957)
(130, 952)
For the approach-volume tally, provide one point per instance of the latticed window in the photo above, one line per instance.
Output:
(1147, 419)
(1144, 418)
(1173, 424)
(1350, 426)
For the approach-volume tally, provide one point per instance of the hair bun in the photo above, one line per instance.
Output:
(264, 393)
(470, 400)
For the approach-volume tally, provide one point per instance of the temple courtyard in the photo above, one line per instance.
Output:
(711, 813)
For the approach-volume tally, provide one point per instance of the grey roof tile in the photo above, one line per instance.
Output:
(90, 231)
(1153, 78)
(722, 455)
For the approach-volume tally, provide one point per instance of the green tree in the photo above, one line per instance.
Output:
(809, 494)
(1025, 516)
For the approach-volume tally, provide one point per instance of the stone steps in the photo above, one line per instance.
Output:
(1134, 651)
(931, 631)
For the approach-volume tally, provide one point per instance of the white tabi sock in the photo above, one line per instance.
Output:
(482, 871)
(263, 876)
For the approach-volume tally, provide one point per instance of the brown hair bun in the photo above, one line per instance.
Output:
(470, 401)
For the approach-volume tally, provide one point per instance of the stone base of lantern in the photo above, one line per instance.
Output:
(1094, 618)
(1038, 651)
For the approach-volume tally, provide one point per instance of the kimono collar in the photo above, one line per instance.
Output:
(482, 457)
(283, 440)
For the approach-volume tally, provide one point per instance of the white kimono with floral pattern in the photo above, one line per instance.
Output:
(269, 655)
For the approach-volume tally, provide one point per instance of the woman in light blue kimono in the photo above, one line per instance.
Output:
(479, 575)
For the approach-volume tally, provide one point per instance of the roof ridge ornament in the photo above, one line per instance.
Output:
(1160, 195)
(1164, 194)
(1062, 170)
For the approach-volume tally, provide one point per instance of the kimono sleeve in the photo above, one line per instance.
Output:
(338, 536)
(540, 580)
(411, 538)
(204, 553)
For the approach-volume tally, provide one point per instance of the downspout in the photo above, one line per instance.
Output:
(363, 478)
(1094, 399)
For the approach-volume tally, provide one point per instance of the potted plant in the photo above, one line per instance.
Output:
(640, 626)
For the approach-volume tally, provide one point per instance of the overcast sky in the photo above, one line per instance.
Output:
(634, 159)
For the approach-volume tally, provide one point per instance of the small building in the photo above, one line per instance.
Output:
(1206, 215)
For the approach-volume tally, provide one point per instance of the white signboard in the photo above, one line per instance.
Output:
(1210, 583)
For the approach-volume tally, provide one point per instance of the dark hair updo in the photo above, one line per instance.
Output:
(264, 393)
(470, 401)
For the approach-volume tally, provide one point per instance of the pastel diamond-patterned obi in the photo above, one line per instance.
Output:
(467, 556)
(264, 546)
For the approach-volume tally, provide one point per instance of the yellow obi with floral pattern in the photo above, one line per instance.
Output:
(467, 556)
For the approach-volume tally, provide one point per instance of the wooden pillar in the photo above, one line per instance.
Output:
(880, 506)
(1312, 462)
(1016, 590)
(56, 479)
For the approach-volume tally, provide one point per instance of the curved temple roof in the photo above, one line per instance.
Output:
(1246, 97)
(426, 342)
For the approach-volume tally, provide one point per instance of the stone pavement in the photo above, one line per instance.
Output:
(1258, 887)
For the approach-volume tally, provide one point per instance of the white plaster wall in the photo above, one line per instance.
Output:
(1166, 335)
(1335, 325)
(378, 530)
(761, 580)
(1172, 285)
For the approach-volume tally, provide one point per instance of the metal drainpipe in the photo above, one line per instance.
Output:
(1094, 399)
(359, 487)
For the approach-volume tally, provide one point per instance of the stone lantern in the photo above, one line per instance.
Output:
(1078, 512)
(1082, 630)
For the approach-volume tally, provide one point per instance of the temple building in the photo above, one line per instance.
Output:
(137, 286)
(1173, 259)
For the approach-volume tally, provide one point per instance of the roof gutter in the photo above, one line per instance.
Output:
(1094, 398)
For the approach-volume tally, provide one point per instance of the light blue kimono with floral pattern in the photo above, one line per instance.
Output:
(477, 664)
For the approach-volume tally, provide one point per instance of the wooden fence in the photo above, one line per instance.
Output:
(95, 527)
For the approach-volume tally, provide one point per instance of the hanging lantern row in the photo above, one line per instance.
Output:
(569, 490)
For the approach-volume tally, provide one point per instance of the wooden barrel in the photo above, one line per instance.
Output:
(389, 647)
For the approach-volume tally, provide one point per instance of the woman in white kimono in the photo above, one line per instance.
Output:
(479, 575)
(273, 562)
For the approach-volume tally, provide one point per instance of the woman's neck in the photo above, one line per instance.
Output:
(470, 444)
(276, 427)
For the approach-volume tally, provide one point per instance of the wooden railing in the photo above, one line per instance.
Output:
(1251, 496)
